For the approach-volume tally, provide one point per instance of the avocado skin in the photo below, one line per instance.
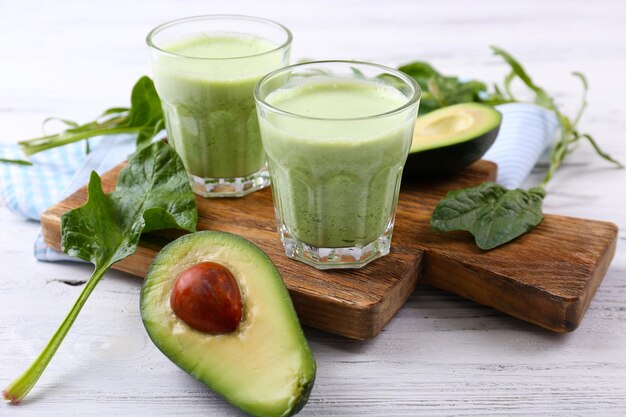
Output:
(448, 159)
(303, 399)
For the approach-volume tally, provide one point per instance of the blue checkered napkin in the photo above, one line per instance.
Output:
(29, 190)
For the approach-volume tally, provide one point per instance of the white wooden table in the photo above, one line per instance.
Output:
(441, 355)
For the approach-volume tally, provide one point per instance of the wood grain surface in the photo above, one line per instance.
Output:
(547, 277)
(352, 303)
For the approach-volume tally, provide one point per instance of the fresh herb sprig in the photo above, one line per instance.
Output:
(492, 213)
(152, 193)
(15, 161)
(144, 118)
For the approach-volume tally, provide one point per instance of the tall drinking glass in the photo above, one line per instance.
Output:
(336, 135)
(205, 69)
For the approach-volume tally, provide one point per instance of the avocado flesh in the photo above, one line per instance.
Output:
(264, 367)
(451, 138)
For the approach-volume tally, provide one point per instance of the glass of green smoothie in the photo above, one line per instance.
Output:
(205, 69)
(336, 135)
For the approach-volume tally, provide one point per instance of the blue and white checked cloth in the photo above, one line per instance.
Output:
(55, 174)
(526, 132)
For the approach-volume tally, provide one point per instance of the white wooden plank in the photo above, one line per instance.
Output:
(441, 355)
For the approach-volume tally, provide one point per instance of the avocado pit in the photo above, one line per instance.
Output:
(207, 298)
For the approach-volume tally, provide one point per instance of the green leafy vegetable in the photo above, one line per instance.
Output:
(439, 90)
(492, 213)
(15, 161)
(570, 135)
(152, 193)
(144, 118)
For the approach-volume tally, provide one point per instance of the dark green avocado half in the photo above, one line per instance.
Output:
(450, 138)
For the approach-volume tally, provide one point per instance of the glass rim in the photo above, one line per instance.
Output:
(175, 22)
(415, 97)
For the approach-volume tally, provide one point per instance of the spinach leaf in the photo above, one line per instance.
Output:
(420, 70)
(145, 104)
(440, 91)
(145, 111)
(144, 118)
(152, 193)
(492, 213)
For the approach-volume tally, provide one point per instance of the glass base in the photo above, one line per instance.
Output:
(230, 187)
(336, 258)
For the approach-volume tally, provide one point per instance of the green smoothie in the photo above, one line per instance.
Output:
(206, 86)
(335, 172)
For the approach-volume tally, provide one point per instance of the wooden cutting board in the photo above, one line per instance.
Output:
(547, 277)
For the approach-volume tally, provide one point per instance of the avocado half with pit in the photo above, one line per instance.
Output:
(450, 138)
(216, 305)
